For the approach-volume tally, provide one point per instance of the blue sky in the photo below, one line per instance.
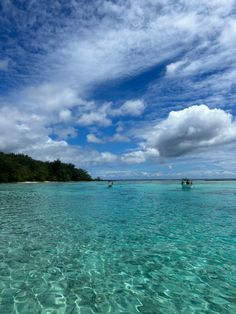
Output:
(125, 89)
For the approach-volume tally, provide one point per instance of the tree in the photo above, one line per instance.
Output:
(19, 167)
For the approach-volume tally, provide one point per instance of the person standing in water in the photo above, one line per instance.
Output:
(110, 184)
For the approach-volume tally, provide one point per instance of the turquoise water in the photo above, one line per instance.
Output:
(139, 247)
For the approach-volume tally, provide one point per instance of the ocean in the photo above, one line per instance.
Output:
(138, 247)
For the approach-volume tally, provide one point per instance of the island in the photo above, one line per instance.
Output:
(22, 168)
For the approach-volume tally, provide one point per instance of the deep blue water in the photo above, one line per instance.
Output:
(139, 247)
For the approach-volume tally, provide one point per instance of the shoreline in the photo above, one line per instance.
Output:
(123, 180)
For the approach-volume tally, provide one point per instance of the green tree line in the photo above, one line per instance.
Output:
(19, 168)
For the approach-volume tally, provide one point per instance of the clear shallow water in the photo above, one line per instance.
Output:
(140, 247)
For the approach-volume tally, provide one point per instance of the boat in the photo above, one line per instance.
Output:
(186, 183)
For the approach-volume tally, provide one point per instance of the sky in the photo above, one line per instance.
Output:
(125, 89)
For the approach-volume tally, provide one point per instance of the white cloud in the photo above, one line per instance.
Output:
(84, 50)
(19, 130)
(145, 39)
(117, 137)
(192, 129)
(173, 67)
(140, 156)
(98, 118)
(96, 158)
(48, 97)
(131, 37)
(132, 108)
(93, 114)
(51, 150)
(27, 133)
(91, 138)
(101, 115)
(65, 115)
(65, 132)
(228, 35)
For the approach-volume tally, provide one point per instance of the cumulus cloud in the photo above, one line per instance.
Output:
(117, 137)
(49, 97)
(91, 138)
(130, 108)
(27, 133)
(192, 129)
(98, 118)
(140, 156)
(65, 132)
(93, 114)
(19, 130)
(51, 150)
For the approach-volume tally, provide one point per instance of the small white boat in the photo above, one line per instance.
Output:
(186, 183)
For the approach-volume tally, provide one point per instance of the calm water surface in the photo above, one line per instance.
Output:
(139, 247)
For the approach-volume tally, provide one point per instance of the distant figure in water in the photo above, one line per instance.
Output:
(186, 183)
(110, 184)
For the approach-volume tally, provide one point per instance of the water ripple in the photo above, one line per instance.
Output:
(136, 248)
